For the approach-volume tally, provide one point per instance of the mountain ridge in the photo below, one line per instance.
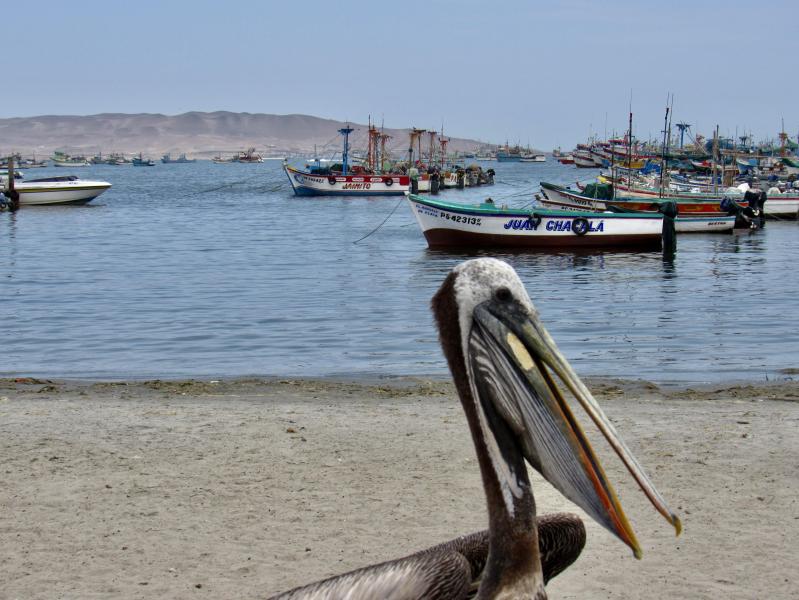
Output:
(193, 132)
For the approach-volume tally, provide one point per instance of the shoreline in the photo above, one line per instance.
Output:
(786, 376)
(248, 487)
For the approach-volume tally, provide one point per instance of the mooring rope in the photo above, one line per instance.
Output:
(219, 187)
(382, 223)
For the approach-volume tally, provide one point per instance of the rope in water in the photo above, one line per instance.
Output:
(382, 223)
(220, 187)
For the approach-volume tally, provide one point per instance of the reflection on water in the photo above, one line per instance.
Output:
(217, 270)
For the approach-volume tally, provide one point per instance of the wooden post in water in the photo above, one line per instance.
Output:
(12, 194)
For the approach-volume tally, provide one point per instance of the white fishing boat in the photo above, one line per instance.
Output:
(447, 224)
(68, 189)
(341, 180)
(315, 183)
(61, 159)
(533, 158)
(583, 160)
(71, 163)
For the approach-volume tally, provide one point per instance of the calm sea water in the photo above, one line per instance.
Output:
(205, 270)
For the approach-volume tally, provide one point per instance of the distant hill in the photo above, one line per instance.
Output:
(196, 133)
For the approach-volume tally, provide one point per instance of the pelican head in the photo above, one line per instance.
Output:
(507, 368)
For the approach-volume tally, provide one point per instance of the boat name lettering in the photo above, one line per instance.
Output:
(462, 219)
(356, 186)
(425, 210)
(566, 225)
(525, 224)
(305, 179)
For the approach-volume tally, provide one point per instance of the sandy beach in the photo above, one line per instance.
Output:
(241, 489)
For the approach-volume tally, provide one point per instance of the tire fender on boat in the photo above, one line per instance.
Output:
(389, 181)
(580, 226)
(331, 180)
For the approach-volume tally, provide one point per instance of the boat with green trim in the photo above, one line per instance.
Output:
(694, 216)
(486, 225)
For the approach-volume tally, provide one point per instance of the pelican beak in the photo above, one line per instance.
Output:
(510, 350)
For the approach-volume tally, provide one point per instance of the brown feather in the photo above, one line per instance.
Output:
(453, 569)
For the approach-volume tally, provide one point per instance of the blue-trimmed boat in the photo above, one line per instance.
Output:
(486, 225)
(319, 180)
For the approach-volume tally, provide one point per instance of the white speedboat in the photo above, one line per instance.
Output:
(68, 189)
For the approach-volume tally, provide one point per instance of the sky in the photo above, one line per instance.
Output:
(541, 73)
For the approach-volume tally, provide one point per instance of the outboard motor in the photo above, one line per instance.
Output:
(669, 210)
(435, 183)
(490, 176)
(742, 220)
(754, 212)
(749, 217)
(761, 205)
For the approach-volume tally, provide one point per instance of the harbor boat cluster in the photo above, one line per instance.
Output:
(377, 173)
(244, 156)
(640, 199)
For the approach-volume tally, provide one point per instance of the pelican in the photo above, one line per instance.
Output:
(505, 367)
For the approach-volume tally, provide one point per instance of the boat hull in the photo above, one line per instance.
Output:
(584, 162)
(448, 225)
(692, 218)
(783, 206)
(54, 193)
(308, 184)
(70, 163)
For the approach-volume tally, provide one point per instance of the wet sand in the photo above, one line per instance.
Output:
(241, 489)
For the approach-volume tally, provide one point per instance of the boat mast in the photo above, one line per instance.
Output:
(715, 160)
(613, 179)
(630, 142)
(371, 155)
(415, 136)
(783, 138)
(384, 137)
(663, 151)
(666, 143)
(370, 149)
(345, 131)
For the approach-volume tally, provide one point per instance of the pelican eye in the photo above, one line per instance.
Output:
(503, 294)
